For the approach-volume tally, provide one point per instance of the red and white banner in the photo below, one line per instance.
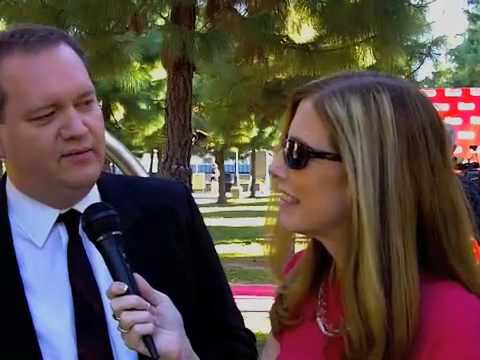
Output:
(460, 107)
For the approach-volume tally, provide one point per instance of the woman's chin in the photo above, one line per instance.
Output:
(289, 223)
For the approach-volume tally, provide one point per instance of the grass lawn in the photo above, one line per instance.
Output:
(243, 234)
(245, 275)
(238, 231)
(247, 268)
(236, 202)
(234, 214)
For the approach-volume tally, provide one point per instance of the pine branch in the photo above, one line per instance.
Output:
(421, 63)
(422, 5)
(312, 46)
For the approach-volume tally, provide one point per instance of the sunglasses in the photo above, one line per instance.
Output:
(297, 154)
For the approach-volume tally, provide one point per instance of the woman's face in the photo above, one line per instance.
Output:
(314, 200)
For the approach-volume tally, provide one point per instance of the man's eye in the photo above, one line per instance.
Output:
(43, 116)
(87, 103)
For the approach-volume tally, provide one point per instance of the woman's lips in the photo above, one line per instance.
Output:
(287, 199)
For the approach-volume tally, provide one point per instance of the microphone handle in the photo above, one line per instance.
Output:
(119, 268)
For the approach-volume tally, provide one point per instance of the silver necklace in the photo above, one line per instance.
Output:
(321, 316)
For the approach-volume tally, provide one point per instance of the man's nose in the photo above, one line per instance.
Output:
(75, 125)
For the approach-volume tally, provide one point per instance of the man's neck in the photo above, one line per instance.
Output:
(58, 199)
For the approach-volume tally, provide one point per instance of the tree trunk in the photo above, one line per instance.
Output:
(150, 167)
(236, 180)
(160, 152)
(176, 163)
(106, 110)
(220, 160)
(253, 172)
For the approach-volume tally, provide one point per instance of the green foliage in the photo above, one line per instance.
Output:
(245, 275)
(465, 71)
(242, 93)
(248, 56)
(121, 60)
(376, 34)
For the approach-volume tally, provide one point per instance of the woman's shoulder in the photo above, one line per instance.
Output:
(441, 294)
(293, 261)
(449, 319)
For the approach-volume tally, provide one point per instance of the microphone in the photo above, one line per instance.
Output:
(101, 223)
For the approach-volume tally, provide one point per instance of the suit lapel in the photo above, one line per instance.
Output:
(18, 312)
(112, 190)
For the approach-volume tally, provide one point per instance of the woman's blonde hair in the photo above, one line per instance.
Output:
(409, 215)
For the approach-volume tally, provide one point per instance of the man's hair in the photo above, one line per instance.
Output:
(32, 39)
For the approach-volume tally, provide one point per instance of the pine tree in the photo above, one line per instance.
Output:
(463, 69)
(264, 60)
(242, 49)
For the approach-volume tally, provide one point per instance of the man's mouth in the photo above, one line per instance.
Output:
(76, 152)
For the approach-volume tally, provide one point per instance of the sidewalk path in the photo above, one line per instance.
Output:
(254, 301)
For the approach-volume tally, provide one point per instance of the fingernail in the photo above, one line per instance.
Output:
(125, 288)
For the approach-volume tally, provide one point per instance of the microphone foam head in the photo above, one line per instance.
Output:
(98, 219)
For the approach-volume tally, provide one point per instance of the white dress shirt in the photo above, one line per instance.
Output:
(41, 250)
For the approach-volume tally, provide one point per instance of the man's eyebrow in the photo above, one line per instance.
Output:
(40, 109)
(88, 93)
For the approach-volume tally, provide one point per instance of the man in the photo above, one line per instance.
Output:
(52, 138)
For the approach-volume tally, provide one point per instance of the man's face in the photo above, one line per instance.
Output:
(52, 134)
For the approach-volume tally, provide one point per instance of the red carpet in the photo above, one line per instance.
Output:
(253, 290)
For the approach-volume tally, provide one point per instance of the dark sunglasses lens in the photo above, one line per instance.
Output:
(295, 155)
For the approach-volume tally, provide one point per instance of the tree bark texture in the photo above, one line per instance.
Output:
(253, 172)
(150, 166)
(220, 160)
(176, 161)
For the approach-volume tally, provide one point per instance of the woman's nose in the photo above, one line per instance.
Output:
(277, 167)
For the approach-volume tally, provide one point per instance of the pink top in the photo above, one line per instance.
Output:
(449, 326)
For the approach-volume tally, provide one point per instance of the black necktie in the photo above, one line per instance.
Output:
(93, 342)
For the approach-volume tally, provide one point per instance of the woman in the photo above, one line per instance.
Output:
(389, 273)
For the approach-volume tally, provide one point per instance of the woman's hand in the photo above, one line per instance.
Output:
(152, 314)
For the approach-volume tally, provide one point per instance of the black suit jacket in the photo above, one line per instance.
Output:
(166, 242)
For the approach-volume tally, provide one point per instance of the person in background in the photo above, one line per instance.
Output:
(214, 178)
(388, 273)
(55, 280)
(470, 184)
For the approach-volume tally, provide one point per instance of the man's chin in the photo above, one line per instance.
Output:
(82, 181)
